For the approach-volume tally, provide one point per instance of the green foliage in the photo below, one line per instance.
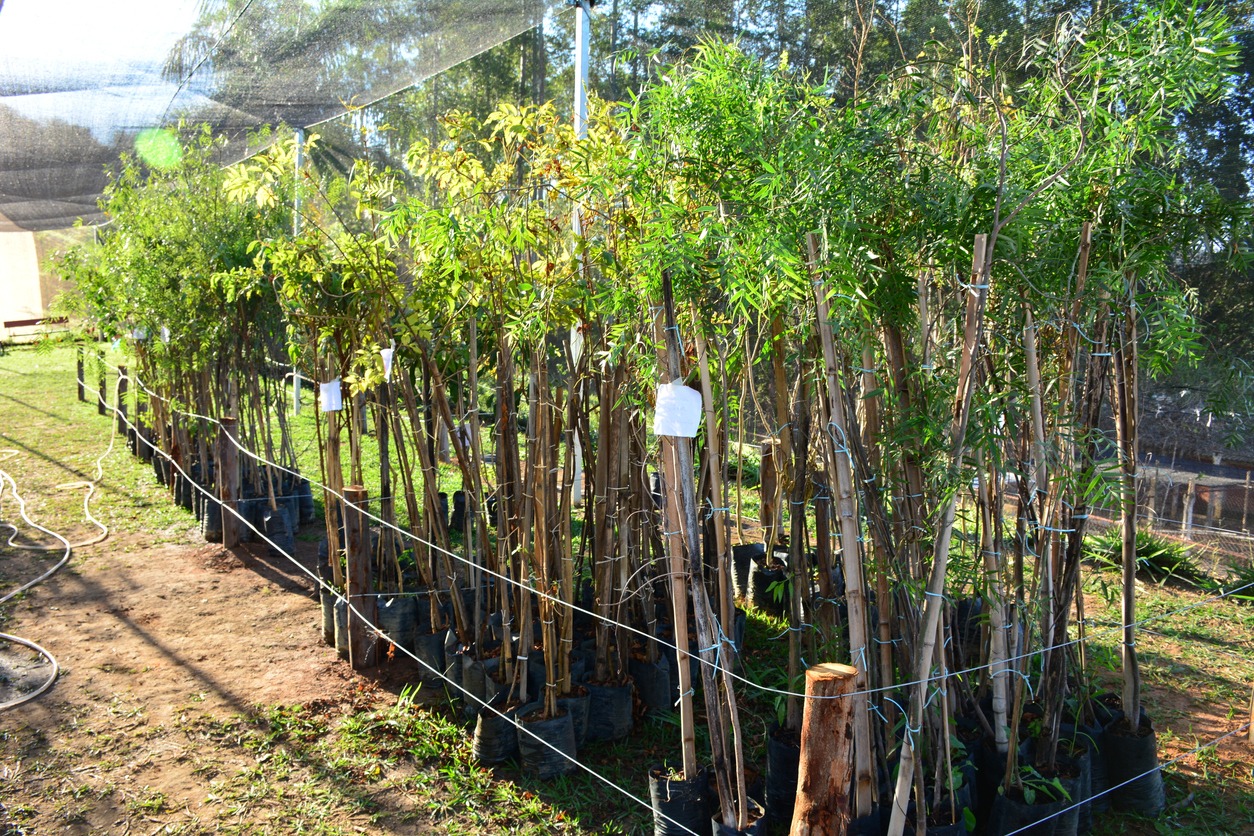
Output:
(1157, 558)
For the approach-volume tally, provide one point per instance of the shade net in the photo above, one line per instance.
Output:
(81, 81)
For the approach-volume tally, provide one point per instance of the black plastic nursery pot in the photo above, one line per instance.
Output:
(872, 824)
(454, 666)
(211, 521)
(429, 648)
(396, 618)
(305, 502)
(1011, 813)
(278, 529)
(1078, 749)
(653, 684)
(765, 592)
(681, 806)
(783, 761)
(576, 704)
(1132, 757)
(609, 710)
(341, 627)
(546, 745)
(756, 826)
(496, 736)
(744, 558)
(479, 682)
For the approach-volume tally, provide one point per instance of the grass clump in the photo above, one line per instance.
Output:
(1158, 558)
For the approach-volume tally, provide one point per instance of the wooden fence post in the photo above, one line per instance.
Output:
(826, 772)
(228, 482)
(1186, 522)
(123, 382)
(1245, 509)
(362, 638)
(101, 403)
(1151, 517)
(82, 381)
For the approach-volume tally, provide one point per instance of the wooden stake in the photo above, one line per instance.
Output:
(1250, 731)
(1190, 494)
(82, 380)
(826, 772)
(1245, 509)
(228, 482)
(121, 398)
(840, 475)
(101, 403)
(362, 614)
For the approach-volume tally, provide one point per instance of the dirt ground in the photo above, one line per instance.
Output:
(151, 642)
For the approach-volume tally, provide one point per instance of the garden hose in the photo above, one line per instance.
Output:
(7, 481)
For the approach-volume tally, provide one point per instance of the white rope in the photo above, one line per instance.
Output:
(484, 705)
(349, 604)
(686, 653)
(1122, 784)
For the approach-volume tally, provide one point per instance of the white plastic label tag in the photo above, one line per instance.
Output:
(330, 396)
(387, 362)
(139, 334)
(165, 334)
(678, 410)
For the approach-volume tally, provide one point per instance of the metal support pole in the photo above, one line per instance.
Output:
(583, 35)
(300, 164)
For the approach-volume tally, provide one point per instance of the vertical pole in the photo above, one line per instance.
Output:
(82, 381)
(582, 38)
(1186, 525)
(1245, 509)
(1251, 731)
(1152, 502)
(362, 614)
(123, 380)
(228, 482)
(101, 403)
(825, 777)
(300, 164)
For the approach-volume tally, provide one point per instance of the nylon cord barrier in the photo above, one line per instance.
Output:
(517, 724)
(715, 665)
(349, 604)
(1158, 768)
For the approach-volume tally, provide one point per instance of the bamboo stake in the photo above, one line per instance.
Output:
(977, 295)
(997, 615)
(709, 638)
(714, 458)
(1125, 398)
(839, 461)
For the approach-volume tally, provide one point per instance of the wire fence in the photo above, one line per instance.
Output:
(682, 653)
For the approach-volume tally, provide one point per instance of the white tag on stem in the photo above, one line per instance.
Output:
(331, 398)
(678, 410)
